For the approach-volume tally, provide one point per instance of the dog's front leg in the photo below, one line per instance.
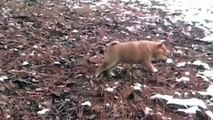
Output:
(150, 66)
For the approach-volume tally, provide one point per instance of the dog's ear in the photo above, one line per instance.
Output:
(159, 45)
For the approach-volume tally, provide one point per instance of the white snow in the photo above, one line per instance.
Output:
(137, 86)
(187, 102)
(57, 63)
(208, 38)
(14, 49)
(75, 31)
(2, 78)
(169, 60)
(43, 111)
(35, 46)
(107, 104)
(148, 37)
(155, 70)
(186, 94)
(191, 102)
(86, 103)
(23, 54)
(109, 89)
(206, 75)
(181, 64)
(25, 63)
(8, 116)
(20, 46)
(32, 53)
(187, 73)
(190, 110)
(116, 83)
(198, 63)
(177, 93)
(148, 110)
(192, 11)
(179, 52)
(131, 29)
(160, 96)
(209, 91)
(210, 114)
(183, 79)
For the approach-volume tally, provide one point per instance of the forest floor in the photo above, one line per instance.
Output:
(50, 50)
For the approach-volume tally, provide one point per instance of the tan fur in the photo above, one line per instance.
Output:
(135, 52)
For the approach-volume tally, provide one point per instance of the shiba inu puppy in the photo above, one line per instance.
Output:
(134, 52)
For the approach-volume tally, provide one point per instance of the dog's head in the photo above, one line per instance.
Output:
(160, 52)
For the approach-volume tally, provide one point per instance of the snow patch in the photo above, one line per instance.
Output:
(177, 93)
(131, 29)
(191, 110)
(187, 73)
(179, 52)
(210, 114)
(208, 38)
(23, 54)
(181, 64)
(2, 78)
(110, 89)
(43, 111)
(199, 11)
(75, 31)
(206, 75)
(187, 102)
(35, 46)
(183, 79)
(200, 63)
(160, 96)
(209, 91)
(169, 60)
(57, 63)
(86, 103)
(148, 110)
(137, 86)
(25, 63)
(107, 104)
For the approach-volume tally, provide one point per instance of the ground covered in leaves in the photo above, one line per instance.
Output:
(49, 51)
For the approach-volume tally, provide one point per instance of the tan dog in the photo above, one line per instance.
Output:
(134, 52)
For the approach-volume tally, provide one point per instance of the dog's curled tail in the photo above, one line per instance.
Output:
(113, 43)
